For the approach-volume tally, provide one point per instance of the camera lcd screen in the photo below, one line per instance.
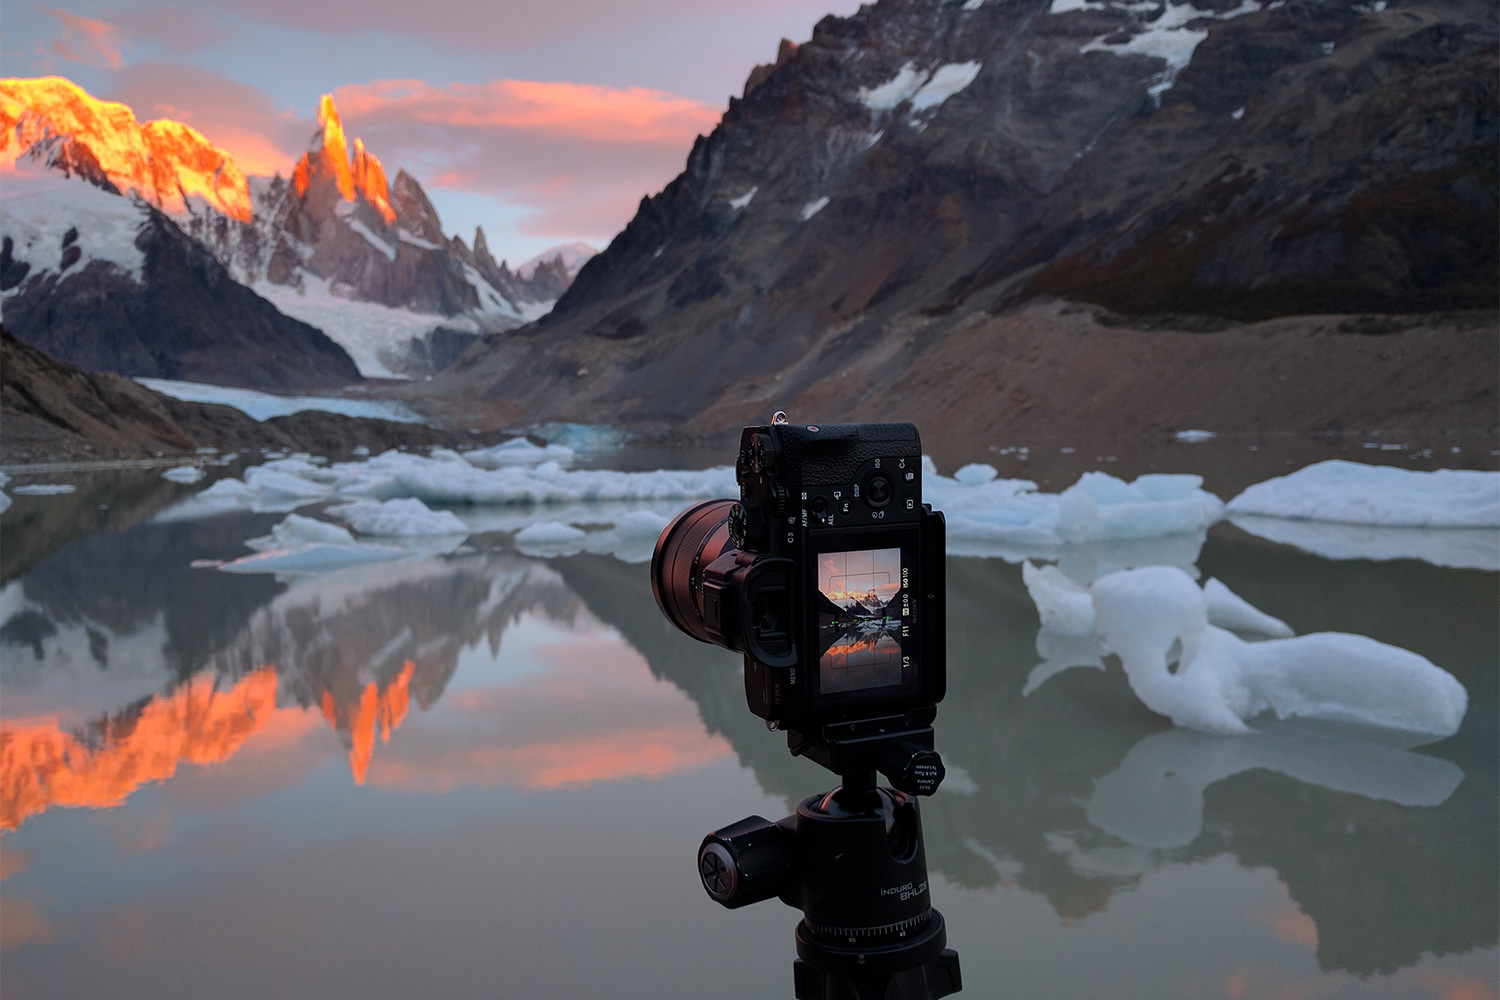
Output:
(863, 621)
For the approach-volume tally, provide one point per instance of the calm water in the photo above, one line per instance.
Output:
(485, 775)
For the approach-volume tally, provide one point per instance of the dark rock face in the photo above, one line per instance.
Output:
(921, 167)
(53, 411)
(184, 318)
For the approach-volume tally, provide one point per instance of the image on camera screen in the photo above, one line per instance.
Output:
(859, 620)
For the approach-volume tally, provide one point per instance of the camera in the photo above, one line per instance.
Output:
(828, 574)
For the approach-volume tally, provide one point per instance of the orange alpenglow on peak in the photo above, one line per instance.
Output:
(164, 161)
(42, 767)
(329, 156)
(385, 709)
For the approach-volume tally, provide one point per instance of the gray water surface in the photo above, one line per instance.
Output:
(486, 775)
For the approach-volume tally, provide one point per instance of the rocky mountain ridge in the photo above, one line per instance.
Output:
(336, 230)
(927, 174)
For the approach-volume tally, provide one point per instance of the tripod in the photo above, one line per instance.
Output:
(853, 862)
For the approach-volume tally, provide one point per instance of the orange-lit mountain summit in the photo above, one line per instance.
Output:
(165, 162)
(337, 231)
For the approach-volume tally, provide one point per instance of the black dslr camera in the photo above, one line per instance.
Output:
(828, 574)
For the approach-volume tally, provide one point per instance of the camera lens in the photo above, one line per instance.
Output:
(697, 536)
(877, 490)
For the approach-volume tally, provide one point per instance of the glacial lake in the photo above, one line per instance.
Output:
(482, 773)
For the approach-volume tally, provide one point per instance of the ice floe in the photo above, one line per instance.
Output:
(299, 545)
(184, 474)
(403, 517)
(519, 451)
(43, 489)
(1157, 621)
(1009, 518)
(1348, 510)
(1354, 493)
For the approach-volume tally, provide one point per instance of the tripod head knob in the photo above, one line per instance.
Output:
(914, 769)
(747, 862)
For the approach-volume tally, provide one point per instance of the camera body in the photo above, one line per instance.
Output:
(828, 574)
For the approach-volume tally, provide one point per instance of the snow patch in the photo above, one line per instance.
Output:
(744, 200)
(37, 210)
(924, 90)
(1167, 38)
(945, 81)
(812, 208)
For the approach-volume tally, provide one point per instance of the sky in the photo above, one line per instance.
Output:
(546, 123)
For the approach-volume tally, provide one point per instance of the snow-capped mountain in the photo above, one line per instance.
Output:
(337, 244)
(886, 219)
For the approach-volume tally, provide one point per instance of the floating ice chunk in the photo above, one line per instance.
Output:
(294, 530)
(519, 451)
(183, 474)
(1059, 653)
(304, 545)
(975, 474)
(1101, 506)
(44, 489)
(1155, 797)
(397, 517)
(5, 502)
(1227, 609)
(1065, 606)
(1008, 518)
(1353, 493)
(1458, 548)
(1203, 677)
(1191, 435)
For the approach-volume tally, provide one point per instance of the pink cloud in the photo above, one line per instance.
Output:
(85, 40)
(581, 155)
(575, 158)
(495, 26)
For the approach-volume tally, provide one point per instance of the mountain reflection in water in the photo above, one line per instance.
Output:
(456, 684)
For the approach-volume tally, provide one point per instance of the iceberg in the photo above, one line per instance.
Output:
(519, 451)
(397, 517)
(305, 545)
(1008, 517)
(1204, 677)
(183, 474)
(1353, 493)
